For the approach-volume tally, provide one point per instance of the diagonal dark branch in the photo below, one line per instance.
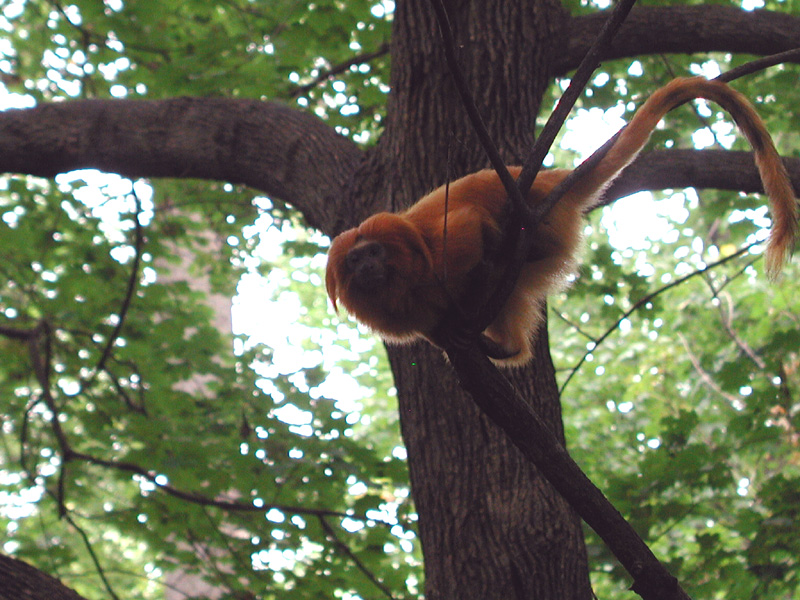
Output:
(485, 307)
(499, 401)
(497, 398)
(588, 64)
(448, 46)
(93, 555)
(200, 499)
(760, 64)
(521, 238)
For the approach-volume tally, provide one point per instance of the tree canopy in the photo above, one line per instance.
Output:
(163, 158)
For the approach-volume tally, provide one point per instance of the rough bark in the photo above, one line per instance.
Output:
(490, 526)
(701, 169)
(20, 581)
(284, 152)
(683, 30)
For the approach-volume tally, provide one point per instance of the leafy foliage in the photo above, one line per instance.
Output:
(687, 382)
(169, 453)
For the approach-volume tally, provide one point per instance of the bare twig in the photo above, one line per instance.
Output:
(96, 561)
(331, 534)
(642, 301)
(726, 316)
(704, 375)
(131, 288)
(358, 59)
(199, 499)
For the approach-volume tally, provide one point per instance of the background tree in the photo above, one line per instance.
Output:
(137, 446)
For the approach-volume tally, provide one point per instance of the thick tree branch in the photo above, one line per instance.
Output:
(20, 580)
(286, 153)
(682, 30)
(702, 169)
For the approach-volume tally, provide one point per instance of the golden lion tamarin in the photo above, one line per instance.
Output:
(391, 271)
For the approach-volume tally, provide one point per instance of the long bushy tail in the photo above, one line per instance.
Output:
(773, 173)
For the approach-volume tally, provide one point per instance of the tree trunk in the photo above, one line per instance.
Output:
(490, 526)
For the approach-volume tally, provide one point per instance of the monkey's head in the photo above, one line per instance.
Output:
(373, 269)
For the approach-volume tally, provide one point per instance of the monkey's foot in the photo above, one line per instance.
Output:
(494, 350)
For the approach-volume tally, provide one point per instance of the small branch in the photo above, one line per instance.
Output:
(358, 59)
(15, 333)
(726, 315)
(704, 376)
(98, 567)
(331, 534)
(644, 301)
(760, 64)
(126, 397)
(131, 288)
(578, 82)
(528, 218)
(448, 45)
(201, 500)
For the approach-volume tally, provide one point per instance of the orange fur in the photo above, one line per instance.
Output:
(390, 271)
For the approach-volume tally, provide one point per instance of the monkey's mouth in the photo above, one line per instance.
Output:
(368, 279)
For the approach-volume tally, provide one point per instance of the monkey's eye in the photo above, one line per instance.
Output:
(364, 253)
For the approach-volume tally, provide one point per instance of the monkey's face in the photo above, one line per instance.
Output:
(374, 269)
(367, 266)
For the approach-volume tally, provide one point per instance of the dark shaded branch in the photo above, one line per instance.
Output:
(93, 556)
(494, 394)
(601, 42)
(761, 64)
(523, 220)
(498, 400)
(682, 30)
(478, 125)
(200, 499)
(15, 333)
(527, 220)
(286, 153)
(38, 340)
